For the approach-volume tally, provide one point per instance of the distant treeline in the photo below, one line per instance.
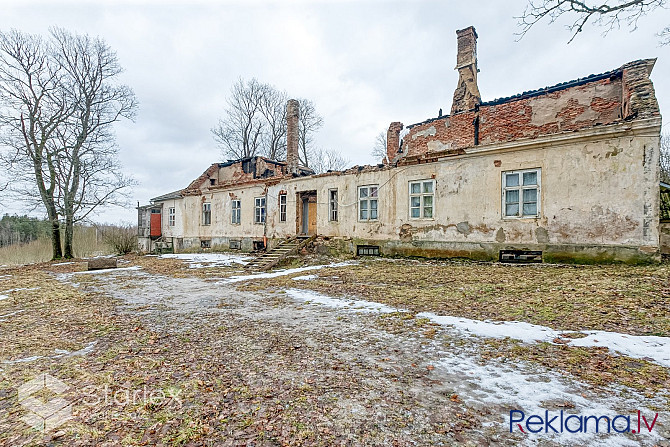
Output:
(21, 229)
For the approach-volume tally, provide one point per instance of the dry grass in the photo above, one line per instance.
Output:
(630, 299)
(86, 244)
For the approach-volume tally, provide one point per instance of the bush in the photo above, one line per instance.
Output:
(122, 240)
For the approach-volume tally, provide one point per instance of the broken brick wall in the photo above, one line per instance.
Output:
(623, 94)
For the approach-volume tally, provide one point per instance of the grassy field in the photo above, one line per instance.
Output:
(244, 379)
(86, 243)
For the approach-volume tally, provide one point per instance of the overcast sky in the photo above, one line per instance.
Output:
(363, 63)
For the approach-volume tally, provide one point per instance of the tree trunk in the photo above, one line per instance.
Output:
(69, 235)
(57, 252)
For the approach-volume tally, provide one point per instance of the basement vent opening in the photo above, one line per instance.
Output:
(235, 244)
(367, 250)
(259, 246)
(520, 256)
(205, 243)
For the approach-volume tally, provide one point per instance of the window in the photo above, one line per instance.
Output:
(205, 243)
(282, 207)
(212, 181)
(332, 205)
(367, 250)
(367, 202)
(521, 190)
(235, 244)
(206, 213)
(421, 196)
(259, 210)
(171, 217)
(235, 215)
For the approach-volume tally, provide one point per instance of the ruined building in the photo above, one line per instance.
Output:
(564, 173)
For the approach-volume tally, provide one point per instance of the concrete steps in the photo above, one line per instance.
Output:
(271, 258)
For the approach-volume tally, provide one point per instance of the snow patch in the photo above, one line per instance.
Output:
(63, 263)
(21, 288)
(3, 297)
(354, 305)
(305, 278)
(203, 260)
(533, 393)
(11, 314)
(636, 346)
(96, 272)
(284, 272)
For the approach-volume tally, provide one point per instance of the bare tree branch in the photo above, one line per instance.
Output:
(379, 149)
(327, 160)
(665, 158)
(609, 14)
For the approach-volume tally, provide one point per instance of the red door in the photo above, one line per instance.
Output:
(155, 227)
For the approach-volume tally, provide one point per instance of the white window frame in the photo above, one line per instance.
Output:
(371, 196)
(333, 208)
(282, 207)
(259, 210)
(421, 195)
(207, 213)
(520, 188)
(236, 212)
(171, 216)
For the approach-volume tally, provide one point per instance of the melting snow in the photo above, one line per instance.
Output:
(202, 260)
(59, 353)
(63, 263)
(356, 305)
(284, 272)
(638, 346)
(11, 314)
(95, 272)
(21, 288)
(305, 277)
(646, 347)
(3, 297)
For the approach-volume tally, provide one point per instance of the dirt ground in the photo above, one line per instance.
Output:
(181, 352)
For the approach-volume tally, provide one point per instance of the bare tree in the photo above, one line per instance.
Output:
(665, 158)
(32, 109)
(59, 102)
(240, 131)
(309, 123)
(327, 160)
(609, 14)
(273, 108)
(379, 149)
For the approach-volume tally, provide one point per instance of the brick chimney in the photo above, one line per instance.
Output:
(466, 96)
(292, 113)
(393, 140)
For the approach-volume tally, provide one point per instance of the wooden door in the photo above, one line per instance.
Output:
(311, 213)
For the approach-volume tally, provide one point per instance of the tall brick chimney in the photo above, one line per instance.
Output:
(292, 113)
(466, 96)
(393, 140)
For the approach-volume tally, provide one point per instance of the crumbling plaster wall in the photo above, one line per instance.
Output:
(599, 189)
(574, 108)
